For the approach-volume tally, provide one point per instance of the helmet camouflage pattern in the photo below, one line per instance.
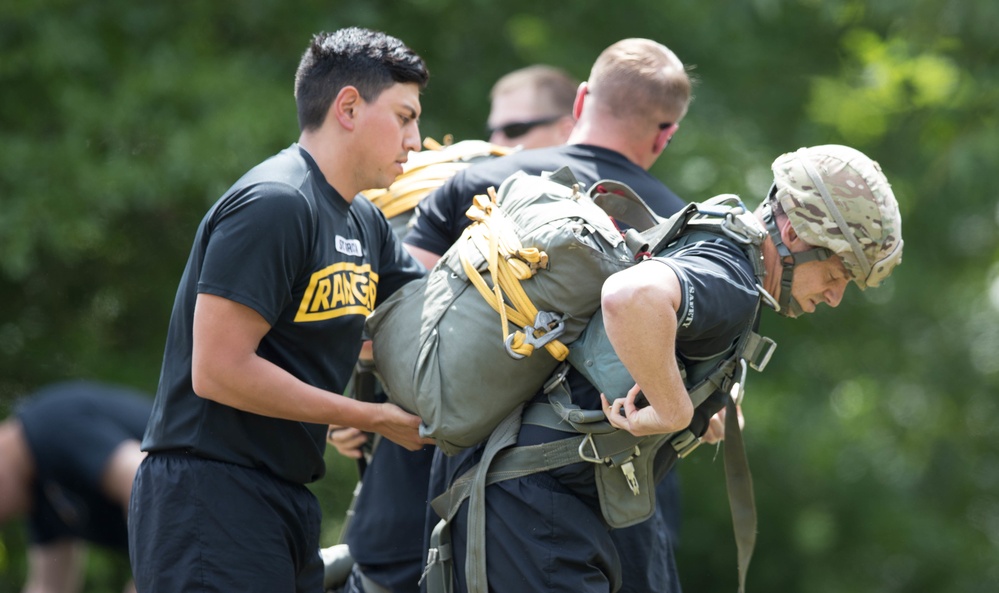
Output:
(837, 198)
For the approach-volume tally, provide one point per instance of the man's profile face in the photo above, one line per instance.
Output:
(390, 128)
(818, 282)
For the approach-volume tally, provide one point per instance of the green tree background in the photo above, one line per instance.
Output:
(871, 435)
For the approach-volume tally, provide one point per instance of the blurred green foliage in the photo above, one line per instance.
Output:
(872, 434)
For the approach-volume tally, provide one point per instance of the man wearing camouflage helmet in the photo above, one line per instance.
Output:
(830, 218)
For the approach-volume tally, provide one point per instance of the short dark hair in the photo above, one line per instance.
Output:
(369, 60)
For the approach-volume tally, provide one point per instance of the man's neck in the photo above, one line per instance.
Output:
(588, 133)
(772, 265)
(334, 167)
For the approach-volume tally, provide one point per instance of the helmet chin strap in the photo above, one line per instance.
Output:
(789, 306)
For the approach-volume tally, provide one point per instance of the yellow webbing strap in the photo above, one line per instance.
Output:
(508, 262)
(426, 171)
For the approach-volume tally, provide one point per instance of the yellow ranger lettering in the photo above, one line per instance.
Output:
(340, 289)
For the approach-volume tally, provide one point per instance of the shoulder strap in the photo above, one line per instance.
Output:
(623, 204)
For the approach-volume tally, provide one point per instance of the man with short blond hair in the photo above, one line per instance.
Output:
(617, 138)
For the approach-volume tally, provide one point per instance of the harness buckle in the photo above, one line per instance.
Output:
(684, 443)
(764, 350)
(588, 440)
(550, 324)
(620, 459)
(628, 468)
(557, 378)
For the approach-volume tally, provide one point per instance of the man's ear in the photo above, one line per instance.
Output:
(663, 138)
(577, 104)
(787, 233)
(345, 105)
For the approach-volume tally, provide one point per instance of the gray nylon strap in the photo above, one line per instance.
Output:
(502, 437)
(564, 176)
(625, 206)
(716, 380)
(509, 464)
(739, 484)
(543, 415)
(568, 417)
(438, 573)
(496, 465)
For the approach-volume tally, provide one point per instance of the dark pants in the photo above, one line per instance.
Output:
(540, 537)
(202, 525)
(545, 532)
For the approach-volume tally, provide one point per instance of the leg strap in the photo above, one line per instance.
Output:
(439, 574)
(740, 489)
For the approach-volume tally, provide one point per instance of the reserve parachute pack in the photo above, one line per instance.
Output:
(442, 355)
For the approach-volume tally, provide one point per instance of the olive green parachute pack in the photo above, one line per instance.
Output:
(505, 311)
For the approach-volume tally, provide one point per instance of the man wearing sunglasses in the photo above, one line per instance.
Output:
(532, 107)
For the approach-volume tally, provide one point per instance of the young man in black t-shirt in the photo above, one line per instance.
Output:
(266, 329)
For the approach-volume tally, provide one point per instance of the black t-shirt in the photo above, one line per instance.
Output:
(283, 242)
(719, 302)
(72, 429)
(440, 217)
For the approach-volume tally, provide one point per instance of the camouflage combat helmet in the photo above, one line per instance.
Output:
(837, 200)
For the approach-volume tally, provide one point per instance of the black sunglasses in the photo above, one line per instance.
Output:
(518, 129)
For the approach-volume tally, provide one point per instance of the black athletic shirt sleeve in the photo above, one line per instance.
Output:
(719, 297)
(260, 240)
